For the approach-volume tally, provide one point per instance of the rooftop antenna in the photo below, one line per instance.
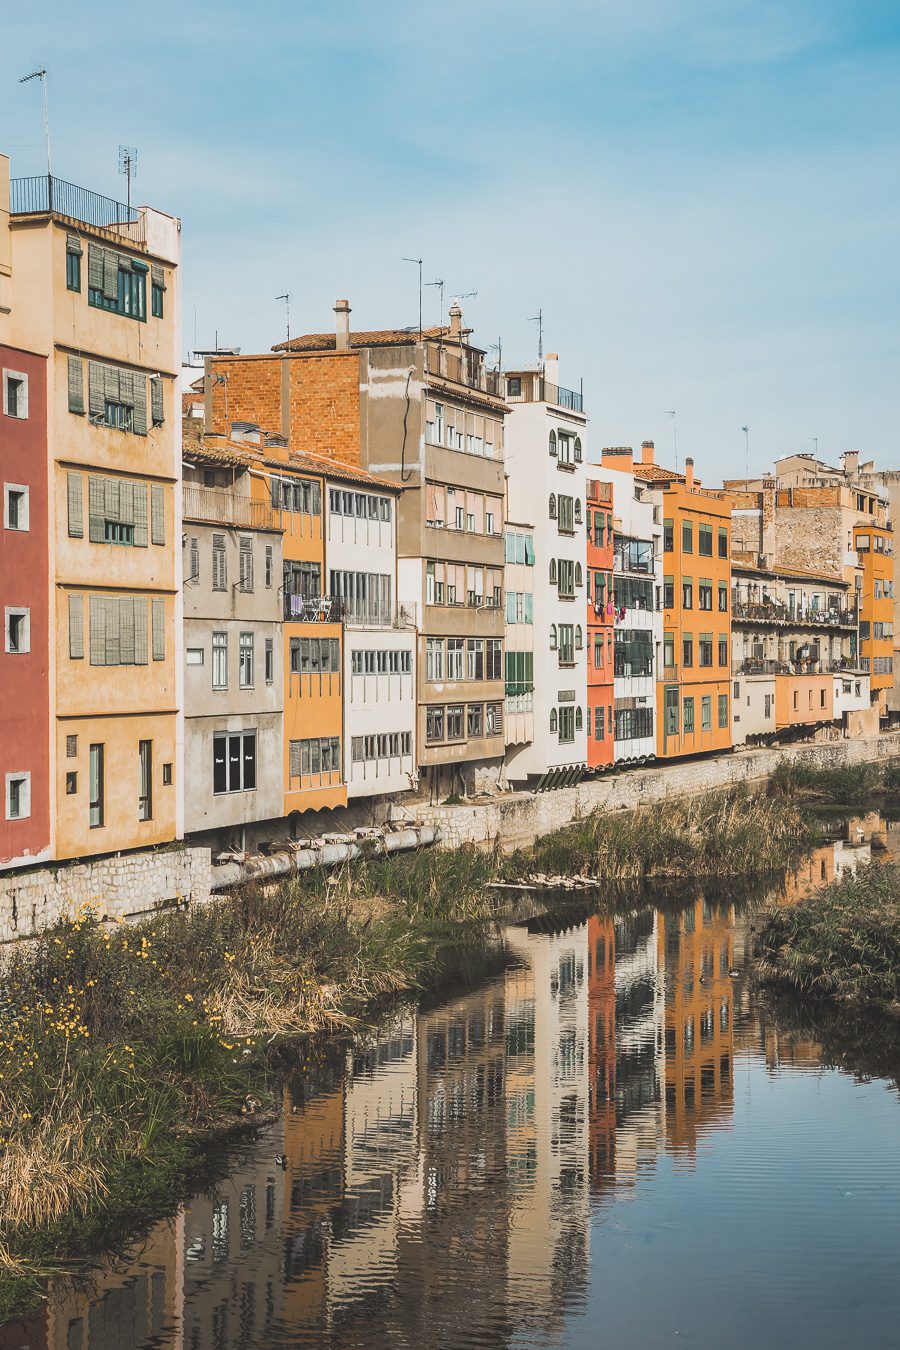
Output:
(418, 262)
(287, 305)
(498, 348)
(746, 431)
(670, 412)
(128, 167)
(42, 76)
(440, 285)
(815, 441)
(539, 320)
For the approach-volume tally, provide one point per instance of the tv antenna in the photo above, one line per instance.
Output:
(287, 306)
(539, 320)
(418, 262)
(746, 431)
(128, 167)
(670, 412)
(42, 75)
(440, 285)
(498, 348)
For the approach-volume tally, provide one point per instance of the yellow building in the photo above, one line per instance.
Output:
(94, 286)
(874, 544)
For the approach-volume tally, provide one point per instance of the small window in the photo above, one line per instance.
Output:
(514, 387)
(167, 775)
(552, 505)
(71, 784)
(18, 632)
(553, 720)
(553, 443)
(15, 506)
(18, 796)
(577, 449)
(15, 394)
(270, 660)
(73, 271)
(71, 747)
(553, 639)
(156, 301)
(193, 656)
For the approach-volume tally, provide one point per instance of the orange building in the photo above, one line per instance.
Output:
(601, 996)
(600, 624)
(874, 544)
(694, 693)
(803, 700)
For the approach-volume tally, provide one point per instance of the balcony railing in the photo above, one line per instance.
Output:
(43, 193)
(774, 613)
(759, 666)
(314, 609)
(227, 508)
(533, 388)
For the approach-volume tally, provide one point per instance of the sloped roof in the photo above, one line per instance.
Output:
(654, 473)
(380, 337)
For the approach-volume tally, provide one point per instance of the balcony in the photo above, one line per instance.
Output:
(519, 703)
(227, 508)
(533, 388)
(752, 665)
(44, 194)
(313, 609)
(769, 613)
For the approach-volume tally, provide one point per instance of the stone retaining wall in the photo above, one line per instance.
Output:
(517, 819)
(131, 884)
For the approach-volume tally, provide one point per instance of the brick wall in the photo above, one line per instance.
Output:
(251, 392)
(324, 406)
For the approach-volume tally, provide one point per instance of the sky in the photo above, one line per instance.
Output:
(702, 197)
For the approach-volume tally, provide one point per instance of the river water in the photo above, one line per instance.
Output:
(603, 1139)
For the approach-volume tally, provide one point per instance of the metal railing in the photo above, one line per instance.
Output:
(43, 193)
(315, 609)
(774, 613)
(533, 388)
(226, 508)
(760, 666)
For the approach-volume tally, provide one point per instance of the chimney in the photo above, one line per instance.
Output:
(551, 368)
(689, 474)
(648, 452)
(455, 320)
(617, 457)
(342, 326)
(850, 463)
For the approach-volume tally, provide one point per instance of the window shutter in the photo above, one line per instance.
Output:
(219, 570)
(157, 275)
(76, 627)
(95, 266)
(76, 514)
(195, 561)
(110, 274)
(295, 758)
(73, 245)
(275, 489)
(113, 622)
(126, 387)
(140, 515)
(110, 383)
(140, 404)
(97, 614)
(159, 628)
(125, 264)
(157, 514)
(126, 605)
(76, 384)
(127, 489)
(95, 387)
(246, 557)
(157, 412)
(140, 631)
(96, 509)
(111, 499)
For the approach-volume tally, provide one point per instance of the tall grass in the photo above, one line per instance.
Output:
(840, 786)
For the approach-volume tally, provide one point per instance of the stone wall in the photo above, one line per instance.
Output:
(120, 886)
(517, 819)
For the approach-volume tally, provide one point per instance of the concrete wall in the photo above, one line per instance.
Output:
(520, 818)
(122, 886)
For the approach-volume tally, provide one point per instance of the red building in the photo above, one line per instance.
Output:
(24, 603)
(600, 620)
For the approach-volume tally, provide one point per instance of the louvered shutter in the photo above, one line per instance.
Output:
(76, 627)
(158, 605)
(75, 493)
(111, 495)
(157, 514)
(126, 604)
(219, 569)
(113, 623)
(76, 384)
(98, 630)
(157, 413)
(195, 561)
(295, 759)
(140, 631)
(73, 245)
(95, 266)
(126, 387)
(246, 560)
(139, 386)
(110, 274)
(157, 275)
(110, 383)
(127, 490)
(275, 489)
(95, 388)
(140, 515)
(96, 509)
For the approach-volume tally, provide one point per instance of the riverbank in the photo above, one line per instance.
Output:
(842, 944)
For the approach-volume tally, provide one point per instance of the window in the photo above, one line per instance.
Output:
(566, 725)
(668, 592)
(687, 652)
(768, 707)
(269, 567)
(566, 577)
(723, 650)
(15, 506)
(566, 644)
(18, 796)
(493, 659)
(74, 253)
(566, 515)
(668, 536)
(687, 711)
(302, 496)
(219, 563)
(245, 661)
(723, 597)
(579, 638)
(554, 721)
(234, 762)
(669, 650)
(116, 282)
(704, 593)
(671, 712)
(553, 512)
(95, 773)
(687, 594)
(434, 659)
(245, 558)
(18, 631)
(633, 652)
(706, 649)
(193, 656)
(15, 394)
(519, 672)
(71, 784)
(474, 720)
(316, 656)
(723, 541)
(706, 713)
(475, 659)
(632, 723)
(455, 651)
(167, 775)
(455, 722)
(579, 579)
(145, 798)
(705, 541)
(687, 536)
(553, 443)
(366, 596)
(157, 293)
(269, 660)
(723, 711)
(599, 723)
(434, 724)
(552, 571)
(220, 660)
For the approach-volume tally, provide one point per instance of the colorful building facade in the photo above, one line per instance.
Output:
(600, 623)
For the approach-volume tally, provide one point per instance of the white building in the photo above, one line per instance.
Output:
(519, 635)
(379, 642)
(637, 582)
(546, 483)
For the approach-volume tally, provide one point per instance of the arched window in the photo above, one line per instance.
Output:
(553, 637)
(577, 510)
(579, 639)
(552, 571)
(552, 505)
(578, 577)
(553, 720)
(578, 719)
(553, 442)
(577, 449)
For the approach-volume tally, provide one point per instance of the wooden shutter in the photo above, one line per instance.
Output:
(195, 561)
(76, 384)
(126, 379)
(140, 631)
(157, 514)
(110, 274)
(127, 490)
(125, 606)
(95, 388)
(159, 628)
(113, 623)
(111, 495)
(110, 383)
(76, 627)
(73, 245)
(157, 275)
(246, 559)
(96, 508)
(140, 515)
(157, 410)
(95, 266)
(97, 611)
(140, 404)
(295, 759)
(75, 492)
(219, 567)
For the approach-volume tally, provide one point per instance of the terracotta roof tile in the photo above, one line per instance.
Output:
(223, 453)
(655, 473)
(381, 337)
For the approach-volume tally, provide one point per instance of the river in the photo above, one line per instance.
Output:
(606, 1139)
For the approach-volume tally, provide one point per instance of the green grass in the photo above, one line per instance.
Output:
(838, 787)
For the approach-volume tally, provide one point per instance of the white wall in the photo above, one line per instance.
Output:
(852, 693)
(749, 706)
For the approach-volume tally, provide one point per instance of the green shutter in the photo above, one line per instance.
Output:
(157, 412)
(158, 606)
(95, 266)
(76, 627)
(139, 386)
(76, 384)
(111, 495)
(158, 275)
(140, 515)
(110, 383)
(96, 510)
(127, 490)
(126, 605)
(157, 514)
(140, 631)
(110, 274)
(73, 245)
(95, 388)
(75, 492)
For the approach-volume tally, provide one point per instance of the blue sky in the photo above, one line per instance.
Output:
(703, 197)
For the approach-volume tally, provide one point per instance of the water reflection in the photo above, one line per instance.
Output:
(447, 1179)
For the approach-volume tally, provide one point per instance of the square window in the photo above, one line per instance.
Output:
(193, 656)
(18, 796)
(15, 394)
(17, 632)
(15, 506)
